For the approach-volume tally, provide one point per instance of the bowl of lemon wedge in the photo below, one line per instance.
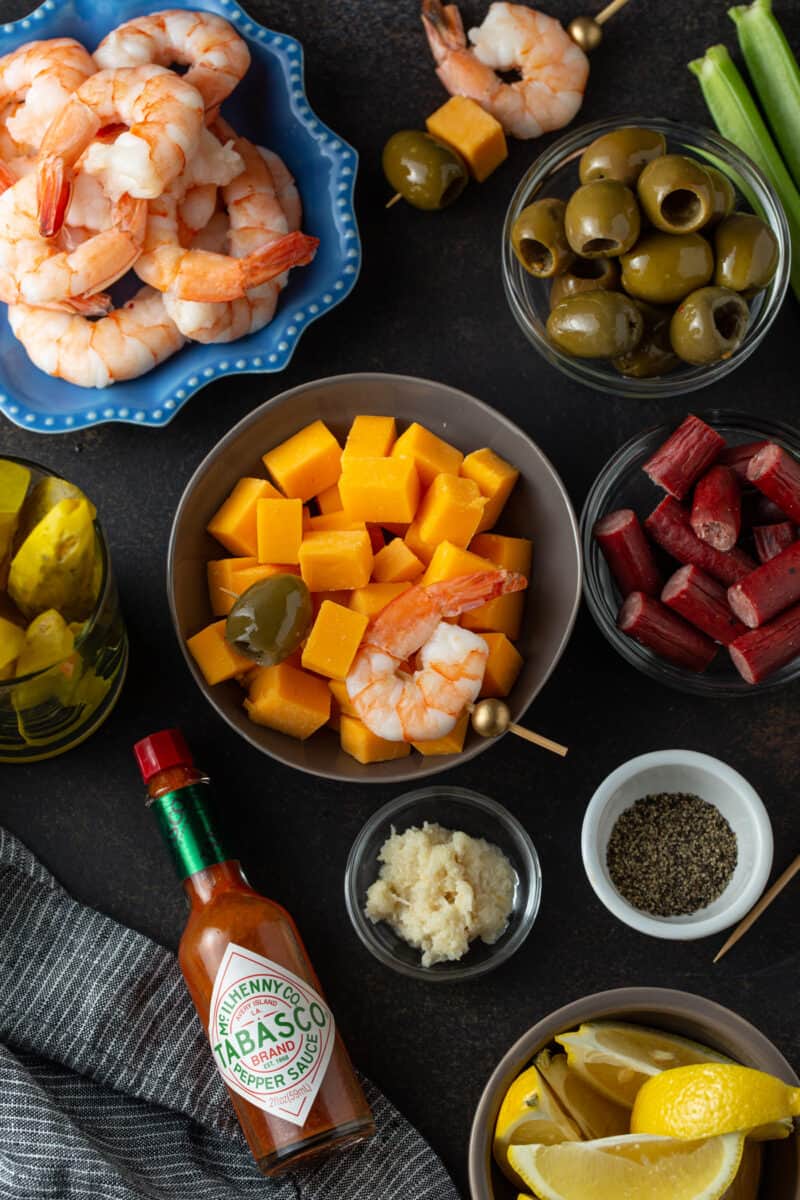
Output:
(643, 1092)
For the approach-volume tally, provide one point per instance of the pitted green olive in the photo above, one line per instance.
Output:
(602, 219)
(708, 325)
(585, 275)
(654, 355)
(269, 621)
(723, 194)
(596, 324)
(676, 194)
(425, 172)
(663, 268)
(538, 238)
(621, 154)
(746, 251)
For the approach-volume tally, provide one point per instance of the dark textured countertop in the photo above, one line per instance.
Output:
(430, 303)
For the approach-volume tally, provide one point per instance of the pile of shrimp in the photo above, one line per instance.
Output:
(112, 162)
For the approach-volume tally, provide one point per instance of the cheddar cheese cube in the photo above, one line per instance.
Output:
(279, 524)
(379, 489)
(334, 638)
(364, 746)
(495, 478)
(474, 133)
(220, 582)
(503, 615)
(451, 511)
(373, 598)
(451, 743)
(449, 561)
(234, 524)
(215, 657)
(289, 700)
(396, 563)
(343, 702)
(334, 520)
(430, 453)
(330, 501)
(513, 553)
(502, 666)
(307, 463)
(225, 587)
(335, 559)
(370, 437)
(421, 549)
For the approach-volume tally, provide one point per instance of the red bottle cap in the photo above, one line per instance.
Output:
(161, 750)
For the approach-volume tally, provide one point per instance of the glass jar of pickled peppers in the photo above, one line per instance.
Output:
(63, 645)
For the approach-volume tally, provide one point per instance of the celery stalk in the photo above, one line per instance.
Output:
(775, 73)
(737, 118)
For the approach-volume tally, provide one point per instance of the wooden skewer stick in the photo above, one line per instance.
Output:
(491, 718)
(609, 11)
(539, 740)
(755, 912)
(397, 196)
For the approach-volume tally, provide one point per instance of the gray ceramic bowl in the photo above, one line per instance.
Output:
(677, 1012)
(539, 508)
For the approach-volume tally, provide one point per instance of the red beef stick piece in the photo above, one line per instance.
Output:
(668, 525)
(738, 458)
(703, 602)
(717, 509)
(777, 475)
(772, 540)
(652, 624)
(758, 653)
(628, 553)
(769, 589)
(684, 457)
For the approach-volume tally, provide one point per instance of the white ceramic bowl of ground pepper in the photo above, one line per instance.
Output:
(677, 844)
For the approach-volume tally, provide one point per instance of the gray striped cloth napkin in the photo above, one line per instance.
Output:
(107, 1087)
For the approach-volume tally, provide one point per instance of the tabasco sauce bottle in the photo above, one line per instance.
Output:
(272, 1035)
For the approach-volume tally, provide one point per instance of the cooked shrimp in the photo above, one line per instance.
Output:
(164, 116)
(285, 188)
(216, 56)
(36, 270)
(123, 345)
(451, 661)
(552, 67)
(38, 79)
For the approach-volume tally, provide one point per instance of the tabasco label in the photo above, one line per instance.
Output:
(272, 1035)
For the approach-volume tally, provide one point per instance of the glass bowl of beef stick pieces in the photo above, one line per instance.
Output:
(691, 547)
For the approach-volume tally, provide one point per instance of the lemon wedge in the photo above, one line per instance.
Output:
(529, 1113)
(596, 1116)
(616, 1058)
(631, 1167)
(708, 1099)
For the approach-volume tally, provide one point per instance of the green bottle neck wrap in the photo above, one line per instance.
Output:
(186, 827)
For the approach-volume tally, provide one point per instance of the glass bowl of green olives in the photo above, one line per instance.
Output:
(644, 257)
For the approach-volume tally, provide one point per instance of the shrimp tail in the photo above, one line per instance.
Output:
(444, 27)
(55, 193)
(455, 596)
(292, 250)
(89, 306)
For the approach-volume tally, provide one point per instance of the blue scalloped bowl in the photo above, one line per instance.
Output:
(269, 106)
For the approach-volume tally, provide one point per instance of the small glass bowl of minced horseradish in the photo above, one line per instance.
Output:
(677, 844)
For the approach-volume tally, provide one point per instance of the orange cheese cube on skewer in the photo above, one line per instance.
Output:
(336, 559)
(450, 561)
(451, 743)
(334, 638)
(330, 501)
(373, 598)
(279, 526)
(307, 463)
(214, 656)
(431, 454)
(234, 523)
(288, 700)
(343, 702)
(370, 437)
(474, 133)
(364, 746)
(495, 478)
(380, 489)
(451, 511)
(502, 666)
(396, 563)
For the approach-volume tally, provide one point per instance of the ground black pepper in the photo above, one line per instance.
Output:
(671, 854)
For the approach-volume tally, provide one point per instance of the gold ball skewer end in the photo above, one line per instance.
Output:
(586, 33)
(490, 718)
